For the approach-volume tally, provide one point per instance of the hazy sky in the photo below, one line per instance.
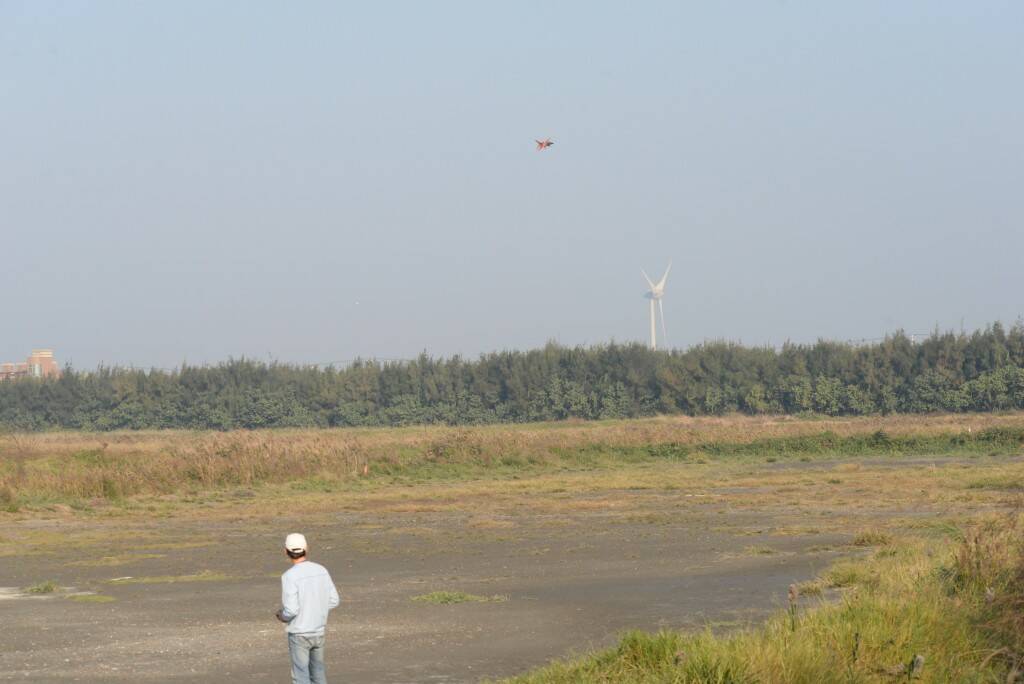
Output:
(319, 181)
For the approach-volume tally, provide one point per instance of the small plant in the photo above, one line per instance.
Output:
(760, 550)
(872, 538)
(111, 489)
(7, 495)
(845, 575)
(444, 598)
(47, 587)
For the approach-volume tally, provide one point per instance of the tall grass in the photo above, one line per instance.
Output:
(69, 467)
(918, 612)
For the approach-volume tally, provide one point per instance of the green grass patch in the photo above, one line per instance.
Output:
(459, 457)
(848, 574)
(828, 443)
(935, 528)
(315, 484)
(1002, 483)
(47, 587)
(444, 598)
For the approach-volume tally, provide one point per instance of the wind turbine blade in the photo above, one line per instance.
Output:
(664, 331)
(647, 279)
(661, 283)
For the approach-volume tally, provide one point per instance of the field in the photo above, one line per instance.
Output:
(482, 553)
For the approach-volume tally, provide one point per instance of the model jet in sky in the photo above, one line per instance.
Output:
(541, 144)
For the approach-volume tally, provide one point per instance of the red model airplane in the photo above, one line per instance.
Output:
(541, 144)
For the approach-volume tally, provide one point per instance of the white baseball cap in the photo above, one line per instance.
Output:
(295, 542)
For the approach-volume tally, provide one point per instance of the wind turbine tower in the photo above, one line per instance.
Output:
(655, 294)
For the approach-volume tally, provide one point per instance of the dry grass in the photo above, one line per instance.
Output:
(872, 538)
(675, 429)
(759, 550)
(203, 576)
(490, 523)
(79, 468)
(877, 499)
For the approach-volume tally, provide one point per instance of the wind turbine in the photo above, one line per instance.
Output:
(655, 294)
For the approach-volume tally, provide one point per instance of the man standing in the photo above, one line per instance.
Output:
(307, 594)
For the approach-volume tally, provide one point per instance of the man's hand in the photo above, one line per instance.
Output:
(280, 616)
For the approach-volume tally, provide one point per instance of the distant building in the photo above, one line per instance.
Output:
(40, 364)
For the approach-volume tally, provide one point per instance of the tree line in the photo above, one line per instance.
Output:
(980, 371)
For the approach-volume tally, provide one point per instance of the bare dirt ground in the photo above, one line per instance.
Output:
(569, 561)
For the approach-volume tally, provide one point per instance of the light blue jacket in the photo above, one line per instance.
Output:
(307, 594)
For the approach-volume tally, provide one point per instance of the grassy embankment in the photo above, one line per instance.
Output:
(86, 469)
(918, 609)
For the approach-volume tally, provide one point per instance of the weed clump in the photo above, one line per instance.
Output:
(8, 499)
(760, 550)
(851, 574)
(880, 440)
(872, 538)
(445, 598)
(47, 587)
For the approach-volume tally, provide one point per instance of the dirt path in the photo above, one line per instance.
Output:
(566, 583)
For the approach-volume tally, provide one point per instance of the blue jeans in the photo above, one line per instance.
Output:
(307, 652)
